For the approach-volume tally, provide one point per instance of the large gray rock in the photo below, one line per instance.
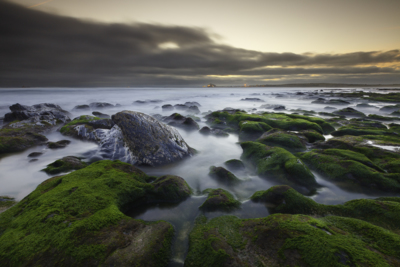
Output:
(147, 140)
(135, 138)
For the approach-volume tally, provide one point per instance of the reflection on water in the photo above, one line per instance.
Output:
(19, 176)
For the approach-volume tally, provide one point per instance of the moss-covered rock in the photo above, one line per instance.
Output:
(224, 176)
(286, 140)
(282, 121)
(65, 164)
(251, 130)
(312, 136)
(219, 199)
(383, 212)
(350, 112)
(6, 202)
(170, 187)
(381, 118)
(78, 220)
(234, 164)
(18, 139)
(70, 130)
(351, 170)
(58, 144)
(278, 164)
(291, 240)
(327, 128)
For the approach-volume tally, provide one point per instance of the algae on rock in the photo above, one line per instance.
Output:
(78, 220)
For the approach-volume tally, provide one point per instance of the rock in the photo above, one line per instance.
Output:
(390, 108)
(64, 165)
(365, 105)
(288, 122)
(351, 112)
(253, 99)
(96, 105)
(193, 110)
(274, 107)
(179, 121)
(181, 107)
(147, 101)
(20, 138)
(192, 104)
(330, 101)
(81, 107)
(101, 115)
(171, 188)
(329, 108)
(78, 220)
(167, 107)
(217, 132)
(384, 212)
(279, 165)
(351, 170)
(33, 160)
(312, 136)
(141, 139)
(219, 199)
(87, 128)
(234, 165)
(35, 154)
(381, 118)
(58, 144)
(286, 140)
(6, 202)
(41, 114)
(252, 130)
(223, 176)
(290, 240)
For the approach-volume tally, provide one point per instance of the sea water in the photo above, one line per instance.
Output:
(19, 175)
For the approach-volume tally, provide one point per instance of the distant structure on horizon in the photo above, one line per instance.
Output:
(211, 85)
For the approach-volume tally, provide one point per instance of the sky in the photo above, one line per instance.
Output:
(85, 43)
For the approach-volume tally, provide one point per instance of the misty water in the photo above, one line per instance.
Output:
(20, 174)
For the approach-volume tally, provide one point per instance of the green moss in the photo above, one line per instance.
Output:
(224, 176)
(6, 202)
(84, 119)
(219, 199)
(291, 240)
(282, 139)
(234, 164)
(380, 118)
(326, 126)
(312, 136)
(251, 130)
(350, 169)
(276, 120)
(64, 165)
(383, 212)
(278, 164)
(77, 219)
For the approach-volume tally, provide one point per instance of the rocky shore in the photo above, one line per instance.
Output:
(79, 217)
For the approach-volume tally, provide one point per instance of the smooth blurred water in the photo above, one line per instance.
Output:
(19, 176)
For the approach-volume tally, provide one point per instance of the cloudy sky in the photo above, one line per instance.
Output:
(192, 43)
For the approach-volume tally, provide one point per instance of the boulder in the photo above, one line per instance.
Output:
(219, 199)
(78, 220)
(224, 176)
(81, 107)
(234, 164)
(179, 121)
(101, 115)
(64, 165)
(96, 105)
(40, 114)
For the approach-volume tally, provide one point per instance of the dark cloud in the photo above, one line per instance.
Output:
(41, 49)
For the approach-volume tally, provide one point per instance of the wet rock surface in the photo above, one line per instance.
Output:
(179, 121)
(64, 165)
(84, 209)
